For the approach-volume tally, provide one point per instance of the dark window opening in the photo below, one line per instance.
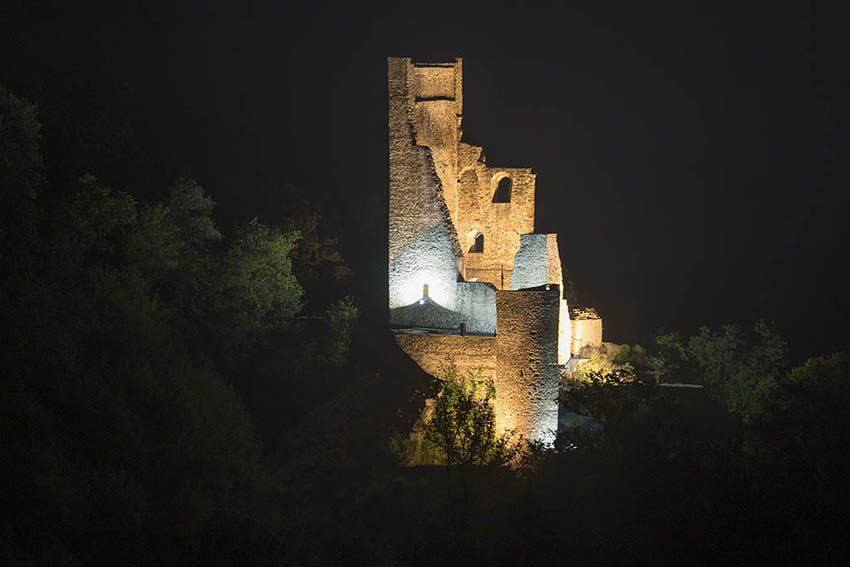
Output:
(503, 191)
(478, 246)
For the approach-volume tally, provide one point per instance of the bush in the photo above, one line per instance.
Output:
(462, 426)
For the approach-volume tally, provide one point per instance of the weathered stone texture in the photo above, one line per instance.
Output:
(438, 80)
(500, 223)
(435, 126)
(424, 314)
(430, 260)
(527, 375)
(423, 245)
(476, 302)
(554, 271)
(587, 332)
(430, 100)
(537, 262)
(442, 194)
(414, 203)
(435, 354)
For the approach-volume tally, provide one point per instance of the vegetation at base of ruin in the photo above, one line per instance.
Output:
(461, 426)
(610, 396)
(607, 359)
(179, 393)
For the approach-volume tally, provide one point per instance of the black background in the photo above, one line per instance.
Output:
(689, 157)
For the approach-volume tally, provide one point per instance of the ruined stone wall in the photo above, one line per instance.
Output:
(423, 245)
(500, 223)
(587, 330)
(436, 116)
(436, 353)
(537, 263)
(527, 375)
(476, 303)
(441, 197)
(441, 190)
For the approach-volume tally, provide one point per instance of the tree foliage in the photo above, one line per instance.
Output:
(258, 290)
(20, 173)
(610, 397)
(812, 409)
(739, 369)
(126, 330)
(463, 423)
(123, 436)
(316, 255)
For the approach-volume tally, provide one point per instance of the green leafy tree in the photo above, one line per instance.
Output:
(172, 242)
(92, 226)
(598, 362)
(463, 423)
(607, 360)
(119, 428)
(20, 177)
(634, 355)
(259, 292)
(739, 369)
(813, 401)
(123, 356)
(316, 254)
(340, 319)
(610, 397)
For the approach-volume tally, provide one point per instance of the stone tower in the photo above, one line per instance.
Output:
(469, 282)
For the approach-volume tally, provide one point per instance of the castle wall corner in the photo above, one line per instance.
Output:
(527, 375)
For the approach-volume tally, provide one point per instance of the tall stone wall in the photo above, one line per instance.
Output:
(527, 374)
(436, 115)
(424, 108)
(537, 263)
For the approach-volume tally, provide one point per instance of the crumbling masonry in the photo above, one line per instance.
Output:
(470, 284)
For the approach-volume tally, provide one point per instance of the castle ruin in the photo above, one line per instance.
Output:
(470, 283)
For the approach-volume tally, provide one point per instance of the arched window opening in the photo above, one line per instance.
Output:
(478, 246)
(503, 191)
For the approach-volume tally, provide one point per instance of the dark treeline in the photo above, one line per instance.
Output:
(175, 392)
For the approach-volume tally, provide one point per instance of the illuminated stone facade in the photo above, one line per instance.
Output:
(587, 330)
(470, 285)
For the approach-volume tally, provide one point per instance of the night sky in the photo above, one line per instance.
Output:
(687, 157)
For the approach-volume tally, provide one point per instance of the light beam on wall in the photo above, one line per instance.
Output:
(411, 290)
